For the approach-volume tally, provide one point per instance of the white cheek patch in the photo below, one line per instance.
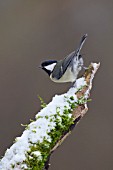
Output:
(50, 67)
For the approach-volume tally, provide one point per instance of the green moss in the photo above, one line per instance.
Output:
(26, 126)
(38, 117)
(33, 162)
(34, 131)
(51, 120)
(46, 117)
(12, 166)
(62, 126)
(63, 123)
(43, 104)
(45, 147)
(72, 98)
(82, 100)
(31, 120)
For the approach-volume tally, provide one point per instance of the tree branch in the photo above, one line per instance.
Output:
(53, 124)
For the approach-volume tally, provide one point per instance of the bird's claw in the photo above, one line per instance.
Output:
(85, 68)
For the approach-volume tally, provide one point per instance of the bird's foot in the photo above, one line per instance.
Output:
(85, 68)
(73, 85)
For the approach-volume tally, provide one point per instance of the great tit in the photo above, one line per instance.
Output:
(65, 70)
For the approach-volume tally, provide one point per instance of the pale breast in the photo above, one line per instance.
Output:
(67, 77)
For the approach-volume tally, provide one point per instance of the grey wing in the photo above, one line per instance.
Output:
(57, 71)
(62, 66)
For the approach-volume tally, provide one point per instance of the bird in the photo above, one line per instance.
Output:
(65, 70)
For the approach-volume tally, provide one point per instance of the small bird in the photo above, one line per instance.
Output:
(65, 70)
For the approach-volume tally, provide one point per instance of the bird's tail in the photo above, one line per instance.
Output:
(83, 39)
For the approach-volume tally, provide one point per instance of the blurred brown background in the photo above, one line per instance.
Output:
(35, 30)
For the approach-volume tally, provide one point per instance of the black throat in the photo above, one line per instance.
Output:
(47, 71)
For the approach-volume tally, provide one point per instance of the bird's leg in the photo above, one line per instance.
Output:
(85, 68)
(73, 84)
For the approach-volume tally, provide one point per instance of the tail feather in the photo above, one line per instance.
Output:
(83, 39)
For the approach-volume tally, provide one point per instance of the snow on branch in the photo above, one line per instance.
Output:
(53, 124)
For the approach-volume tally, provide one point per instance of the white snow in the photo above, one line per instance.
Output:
(95, 66)
(37, 154)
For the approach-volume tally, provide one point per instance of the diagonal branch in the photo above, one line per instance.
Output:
(53, 124)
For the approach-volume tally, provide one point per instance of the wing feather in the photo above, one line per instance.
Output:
(62, 66)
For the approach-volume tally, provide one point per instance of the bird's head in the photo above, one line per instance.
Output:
(48, 66)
